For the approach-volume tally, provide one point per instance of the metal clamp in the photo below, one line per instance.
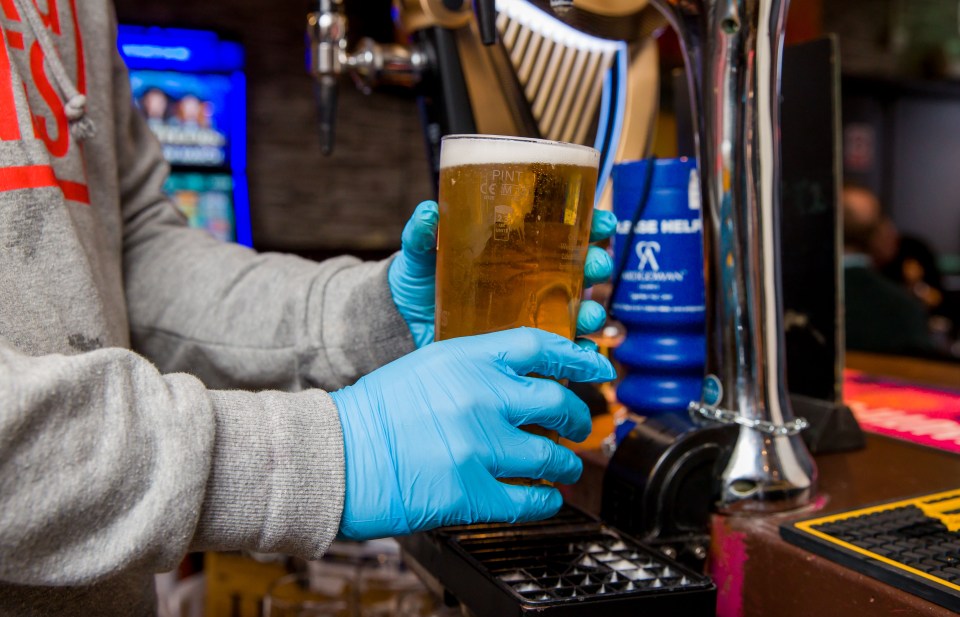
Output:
(725, 416)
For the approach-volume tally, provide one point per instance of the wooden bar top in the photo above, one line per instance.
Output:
(758, 574)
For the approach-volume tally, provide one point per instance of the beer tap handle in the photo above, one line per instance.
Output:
(372, 64)
(486, 20)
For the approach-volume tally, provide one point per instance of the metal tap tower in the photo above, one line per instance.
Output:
(733, 53)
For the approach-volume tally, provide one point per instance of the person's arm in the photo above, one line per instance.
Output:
(229, 315)
(107, 465)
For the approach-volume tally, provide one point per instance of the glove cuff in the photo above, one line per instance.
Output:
(373, 501)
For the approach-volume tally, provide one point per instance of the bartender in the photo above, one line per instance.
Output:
(122, 332)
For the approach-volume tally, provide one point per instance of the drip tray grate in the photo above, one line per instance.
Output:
(569, 565)
(555, 568)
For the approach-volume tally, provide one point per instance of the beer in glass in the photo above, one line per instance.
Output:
(514, 230)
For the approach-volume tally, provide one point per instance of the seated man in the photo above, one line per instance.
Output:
(880, 316)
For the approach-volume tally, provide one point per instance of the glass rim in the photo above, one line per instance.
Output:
(532, 140)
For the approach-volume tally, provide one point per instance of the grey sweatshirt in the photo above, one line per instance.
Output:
(121, 333)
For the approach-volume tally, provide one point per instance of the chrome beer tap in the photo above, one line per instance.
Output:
(370, 64)
(733, 53)
(327, 32)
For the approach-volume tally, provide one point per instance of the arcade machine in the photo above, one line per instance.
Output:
(190, 86)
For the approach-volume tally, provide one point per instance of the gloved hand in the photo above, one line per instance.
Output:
(412, 273)
(426, 436)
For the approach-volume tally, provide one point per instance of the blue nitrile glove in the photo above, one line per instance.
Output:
(412, 273)
(426, 436)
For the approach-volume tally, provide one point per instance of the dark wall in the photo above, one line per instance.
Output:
(926, 185)
(896, 37)
(901, 109)
(357, 199)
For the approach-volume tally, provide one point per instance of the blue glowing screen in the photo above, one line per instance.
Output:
(190, 86)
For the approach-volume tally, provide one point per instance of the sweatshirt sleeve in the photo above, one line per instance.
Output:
(107, 465)
(231, 316)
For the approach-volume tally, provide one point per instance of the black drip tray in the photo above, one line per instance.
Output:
(569, 565)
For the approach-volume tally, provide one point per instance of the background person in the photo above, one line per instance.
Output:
(880, 316)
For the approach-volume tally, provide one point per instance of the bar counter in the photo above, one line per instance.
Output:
(758, 574)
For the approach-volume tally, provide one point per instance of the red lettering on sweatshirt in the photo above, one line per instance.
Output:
(10, 10)
(44, 102)
(60, 141)
(51, 19)
(40, 176)
(16, 40)
(9, 127)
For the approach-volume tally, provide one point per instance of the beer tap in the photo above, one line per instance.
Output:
(370, 64)
(733, 51)
(326, 28)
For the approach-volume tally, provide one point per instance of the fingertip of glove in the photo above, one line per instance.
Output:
(587, 344)
(579, 471)
(605, 370)
(584, 428)
(591, 317)
(554, 501)
(550, 501)
(609, 373)
(420, 233)
(604, 224)
(532, 503)
(427, 211)
(598, 265)
(594, 310)
(562, 465)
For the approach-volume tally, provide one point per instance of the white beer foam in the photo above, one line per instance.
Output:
(485, 149)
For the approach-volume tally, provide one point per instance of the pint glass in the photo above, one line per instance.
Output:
(514, 228)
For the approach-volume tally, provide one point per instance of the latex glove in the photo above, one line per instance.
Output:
(426, 436)
(597, 267)
(412, 273)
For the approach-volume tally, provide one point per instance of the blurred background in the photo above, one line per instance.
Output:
(900, 131)
(235, 109)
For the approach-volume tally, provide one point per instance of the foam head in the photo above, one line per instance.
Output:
(460, 150)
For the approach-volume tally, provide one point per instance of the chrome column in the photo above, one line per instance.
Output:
(733, 54)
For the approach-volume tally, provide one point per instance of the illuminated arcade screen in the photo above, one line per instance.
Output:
(187, 114)
(190, 87)
(206, 200)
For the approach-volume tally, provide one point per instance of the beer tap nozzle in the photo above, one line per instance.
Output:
(325, 92)
(327, 33)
